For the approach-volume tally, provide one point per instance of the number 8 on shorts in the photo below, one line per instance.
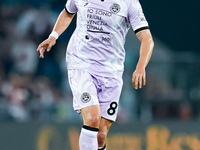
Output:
(112, 109)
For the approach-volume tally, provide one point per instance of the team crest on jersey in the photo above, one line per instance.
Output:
(115, 8)
(85, 97)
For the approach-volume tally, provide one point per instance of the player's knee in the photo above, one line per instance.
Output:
(93, 121)
(101, 138)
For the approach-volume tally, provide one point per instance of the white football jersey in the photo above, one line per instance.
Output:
(97, 44)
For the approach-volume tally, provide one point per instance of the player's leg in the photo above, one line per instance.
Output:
(91, 116)
(85, 101)
(91, 120)
(103, 131)
(108, 102)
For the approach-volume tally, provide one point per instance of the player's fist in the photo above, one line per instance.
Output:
(139, 78)
(46, 45)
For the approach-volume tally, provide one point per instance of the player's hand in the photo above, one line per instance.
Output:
(46, 46)
(139, 78)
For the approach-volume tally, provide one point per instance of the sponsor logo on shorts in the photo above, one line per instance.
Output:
(85, 97)
(115, 8)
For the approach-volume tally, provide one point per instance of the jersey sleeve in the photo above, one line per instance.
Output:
(136, 16)
(70, 7)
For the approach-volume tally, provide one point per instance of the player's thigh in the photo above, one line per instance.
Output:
(105, 125)
(83, 89)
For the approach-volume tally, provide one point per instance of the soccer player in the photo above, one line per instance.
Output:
(95, 60)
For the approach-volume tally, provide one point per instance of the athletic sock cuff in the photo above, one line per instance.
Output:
(90, 131)
(90, 128)
(102, 147)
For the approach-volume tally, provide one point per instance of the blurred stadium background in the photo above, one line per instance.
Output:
(35, 99)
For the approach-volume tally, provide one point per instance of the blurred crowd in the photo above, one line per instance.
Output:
(33, 89)
(30, 88)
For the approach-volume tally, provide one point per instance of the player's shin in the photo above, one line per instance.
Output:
(88, 138)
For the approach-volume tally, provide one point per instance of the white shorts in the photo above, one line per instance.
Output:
(91, 90)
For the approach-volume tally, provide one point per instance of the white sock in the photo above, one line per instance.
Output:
(102, 148)
(88, 138)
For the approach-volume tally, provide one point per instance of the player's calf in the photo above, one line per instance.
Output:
(101, 136)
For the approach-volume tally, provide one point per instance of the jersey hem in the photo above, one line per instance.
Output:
(118, 75)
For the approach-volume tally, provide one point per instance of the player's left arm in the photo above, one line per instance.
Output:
(146, 49)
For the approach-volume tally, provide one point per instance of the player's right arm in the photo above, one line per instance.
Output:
(63, 21)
